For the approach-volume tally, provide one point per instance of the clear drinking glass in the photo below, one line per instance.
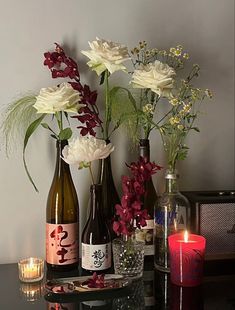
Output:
(128, 257)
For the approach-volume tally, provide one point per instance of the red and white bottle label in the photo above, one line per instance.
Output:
(146, 234)
(62, 244)
(96, 257)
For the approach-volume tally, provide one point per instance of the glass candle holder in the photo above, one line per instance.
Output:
(31, 269)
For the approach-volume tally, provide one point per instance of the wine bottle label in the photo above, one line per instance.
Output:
(146, 234)
(96, 257)
(181, 219)
(62, 244)
(150, 224)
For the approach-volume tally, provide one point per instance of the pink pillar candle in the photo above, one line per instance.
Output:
(186, 259)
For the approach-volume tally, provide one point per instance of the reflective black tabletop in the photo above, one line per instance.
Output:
(153, 291)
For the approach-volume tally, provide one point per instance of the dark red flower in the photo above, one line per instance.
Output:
(143, 169)
(60, 64)
(97, 281)
(63, 66)
(130, 213)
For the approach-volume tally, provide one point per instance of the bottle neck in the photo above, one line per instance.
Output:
(96, 198)
(171, 183)
(144, 149)
(61, 165)
(105, 170)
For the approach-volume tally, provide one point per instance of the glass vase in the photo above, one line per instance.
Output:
(128, 257)
(172, 215)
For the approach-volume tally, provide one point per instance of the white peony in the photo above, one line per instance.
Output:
(84, 150)
(157, 76)
(106, 55)
(58, 98)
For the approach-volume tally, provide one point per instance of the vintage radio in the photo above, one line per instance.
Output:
(213, 216)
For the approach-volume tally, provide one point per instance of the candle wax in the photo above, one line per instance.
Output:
(31, 271)
(186, 259)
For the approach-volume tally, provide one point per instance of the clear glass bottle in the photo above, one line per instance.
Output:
(146, 233)
(62, 217)
(172, 215)
(96, 240)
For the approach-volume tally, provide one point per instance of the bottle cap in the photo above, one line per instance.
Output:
(171, 175)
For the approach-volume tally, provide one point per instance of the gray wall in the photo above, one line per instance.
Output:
(28, 28)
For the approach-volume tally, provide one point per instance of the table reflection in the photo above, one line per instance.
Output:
(31, 292)
(96, 304)
(154, 291)
(62, 306)
(183, 298)
(161, 290)
(148, 279)
(134, 299)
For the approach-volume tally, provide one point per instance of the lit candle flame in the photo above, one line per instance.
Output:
(186, 236)
(31, 264)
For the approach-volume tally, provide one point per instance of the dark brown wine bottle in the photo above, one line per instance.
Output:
(109, 193)
(62, 218)
(96, 240)
(150, 198)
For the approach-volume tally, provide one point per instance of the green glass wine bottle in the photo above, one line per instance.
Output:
(110, 195)
(62, 218)
(96, 240)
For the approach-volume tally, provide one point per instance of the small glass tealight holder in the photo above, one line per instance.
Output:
(31, 269)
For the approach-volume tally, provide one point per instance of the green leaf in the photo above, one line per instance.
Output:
(16, 119)
(116, 89)
(182, 154)
(196, 129)
(45, 125)
(30, 130)
(65, 134)
(102, 78)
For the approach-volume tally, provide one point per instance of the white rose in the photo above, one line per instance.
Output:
(86, 149)
(58, 98)
(106, 55)
(157, 76)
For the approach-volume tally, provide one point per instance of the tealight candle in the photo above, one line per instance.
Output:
(187, 253)
(31, 269)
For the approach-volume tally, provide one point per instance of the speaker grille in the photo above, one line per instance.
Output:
(217, 225)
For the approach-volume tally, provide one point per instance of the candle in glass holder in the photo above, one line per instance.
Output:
(187, 253)
(31, 269)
